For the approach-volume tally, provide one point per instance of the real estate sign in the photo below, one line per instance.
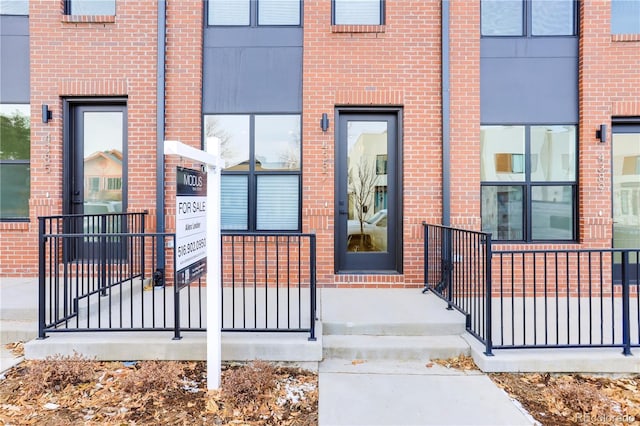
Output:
(191, 225)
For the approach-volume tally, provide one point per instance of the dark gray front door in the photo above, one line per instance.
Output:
(368, 235)
(95, 175)
(626, 194)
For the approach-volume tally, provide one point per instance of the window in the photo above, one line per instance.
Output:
(358, 12)
(253, 12)
(528, 17)
(625, 16)
(528, 188)
(90, 7)
(260, 183)
(14, 7)
(15, 176)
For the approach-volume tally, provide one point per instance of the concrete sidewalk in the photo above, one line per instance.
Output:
(410, 393)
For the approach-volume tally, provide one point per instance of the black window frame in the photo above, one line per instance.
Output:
(253, 174)
(253, 18)
(22, 161)
(382, 14)
(67, 9)
(527, 184)
(527, 23)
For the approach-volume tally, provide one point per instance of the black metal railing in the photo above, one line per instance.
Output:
(99, 273)
(269, 282)
(457, 268)
(518, 299)
(566, 298)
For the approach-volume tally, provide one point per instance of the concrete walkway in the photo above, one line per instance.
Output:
(410, 393)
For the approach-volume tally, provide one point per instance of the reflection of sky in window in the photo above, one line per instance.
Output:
(625, 17)
(277, 138)
(233, 132)
(357, 128)
(9, 110)
(102, 132)
(14, 7)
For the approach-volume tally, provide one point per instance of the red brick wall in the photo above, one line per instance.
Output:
(609, 85)
(105, 56)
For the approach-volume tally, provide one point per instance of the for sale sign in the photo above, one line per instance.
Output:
(191, 225)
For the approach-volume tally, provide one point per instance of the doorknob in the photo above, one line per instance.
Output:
(342, 212)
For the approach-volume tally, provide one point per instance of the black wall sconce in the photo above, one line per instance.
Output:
(46, 114)
(601, 133)
(324, 122)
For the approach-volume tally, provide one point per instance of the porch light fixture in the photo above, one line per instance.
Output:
(601, 133)
(46, 114)
(324, 122)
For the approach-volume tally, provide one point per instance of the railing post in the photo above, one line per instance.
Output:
(626, 326)
(448, 266)
(103, 255)
(41, 278)
(488, 311)
(312, 286)
(176, 286)
(425, 257)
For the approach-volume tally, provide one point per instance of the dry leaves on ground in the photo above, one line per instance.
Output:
(74, 390)
(570, 399)
(16, 348)
(462, 362)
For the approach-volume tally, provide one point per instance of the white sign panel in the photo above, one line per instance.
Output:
(191, 225)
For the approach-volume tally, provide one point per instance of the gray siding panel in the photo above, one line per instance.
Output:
(14, 59)
(252, 37)
(529, 80)
(252, 79)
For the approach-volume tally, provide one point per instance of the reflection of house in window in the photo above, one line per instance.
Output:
(381, 198)
(631, 165)
(381, 164)
(103, 176)
(509, 163)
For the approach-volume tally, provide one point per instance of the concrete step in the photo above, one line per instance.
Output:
(452, 326)
(401, 348)
(17, 331)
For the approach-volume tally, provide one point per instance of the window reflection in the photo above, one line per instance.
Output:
(232, 132)
(502, 153)
(15, 170)
(553, 153)
(278, 142)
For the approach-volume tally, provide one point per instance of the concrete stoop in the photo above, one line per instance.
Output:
(12, 331)
(123, 346)
(388, 325)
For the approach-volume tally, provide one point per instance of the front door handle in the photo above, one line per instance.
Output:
(343, 212)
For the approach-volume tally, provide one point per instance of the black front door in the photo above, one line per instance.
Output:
(368, 231)
(625, 178)
(95, 173)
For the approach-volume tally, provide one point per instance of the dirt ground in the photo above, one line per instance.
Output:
(568, 399)
(74, 390)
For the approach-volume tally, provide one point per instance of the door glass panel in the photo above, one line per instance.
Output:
(366, 186)
(626, 191)
(103, 145)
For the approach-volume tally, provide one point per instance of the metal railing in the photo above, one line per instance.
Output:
(269, 282)
(457, 268)
(518, 299)
(99, 273)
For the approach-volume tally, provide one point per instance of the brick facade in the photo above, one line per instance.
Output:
(397, 64)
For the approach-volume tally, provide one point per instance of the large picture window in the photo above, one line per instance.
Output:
(254, 12)
(358, 12)
(518, 18)
(260, 183)
(15, 147)
(528, 178)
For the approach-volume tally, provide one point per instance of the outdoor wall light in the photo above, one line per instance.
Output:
(46, 114)
(324, 122)
(601, 133)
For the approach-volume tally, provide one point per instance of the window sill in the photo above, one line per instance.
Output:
(625, 37)
(14, 226)
(358, 28)
(96, 19)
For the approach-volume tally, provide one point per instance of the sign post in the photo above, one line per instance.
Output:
(212, 246)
